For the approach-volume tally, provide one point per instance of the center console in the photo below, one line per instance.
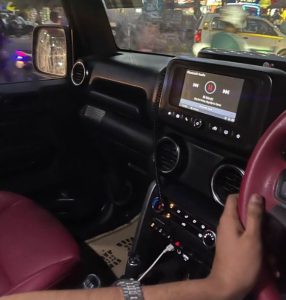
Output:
(211, 115)
(174, 219)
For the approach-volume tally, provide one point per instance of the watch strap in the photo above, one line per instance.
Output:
(131, 289)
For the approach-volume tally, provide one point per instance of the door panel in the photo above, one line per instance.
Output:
(33, 137)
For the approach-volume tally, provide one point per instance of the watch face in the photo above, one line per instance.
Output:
(131, 289)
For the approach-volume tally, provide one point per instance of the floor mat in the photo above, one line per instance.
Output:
(114, 246)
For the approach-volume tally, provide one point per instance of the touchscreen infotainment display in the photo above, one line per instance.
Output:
(211, 94)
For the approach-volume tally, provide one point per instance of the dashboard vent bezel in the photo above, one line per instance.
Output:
(178, 154)
(84, 73)
(215, 194)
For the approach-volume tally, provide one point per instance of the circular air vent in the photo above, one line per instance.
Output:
(226, 180)
(78, 73)
(167, 155)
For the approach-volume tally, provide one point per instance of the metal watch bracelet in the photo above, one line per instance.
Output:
(131, 289)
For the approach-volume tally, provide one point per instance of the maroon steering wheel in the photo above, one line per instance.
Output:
(266, 175)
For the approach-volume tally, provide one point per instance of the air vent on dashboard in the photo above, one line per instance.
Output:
(226, 180)
(167, 155)
(78, 73)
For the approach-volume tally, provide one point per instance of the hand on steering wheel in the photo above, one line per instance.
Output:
(238, 258)
(266, 175)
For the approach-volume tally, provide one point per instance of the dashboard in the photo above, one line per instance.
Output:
(190, 124)
(210, 116)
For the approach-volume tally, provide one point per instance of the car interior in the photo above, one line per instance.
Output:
(127, 138)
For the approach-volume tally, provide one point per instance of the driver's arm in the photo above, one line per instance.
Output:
(235, 269)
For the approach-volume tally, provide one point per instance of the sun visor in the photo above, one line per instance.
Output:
(123, 4)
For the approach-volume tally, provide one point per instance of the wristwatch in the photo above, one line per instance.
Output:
(131, 289)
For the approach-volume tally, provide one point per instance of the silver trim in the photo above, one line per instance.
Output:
(87, 282)
(178, 150)
(214, 194)
(84, 73)
(142, 215)
(132, 263)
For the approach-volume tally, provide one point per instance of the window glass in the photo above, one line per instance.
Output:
(17, 21)
(218, 24)
(259, 27)
(179, 27)
(150, 29)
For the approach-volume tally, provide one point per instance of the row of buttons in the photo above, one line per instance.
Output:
(159, 228)
(224, 131)
(198, 123)
(187, 218)
(191, 225)
(177, 245)
(195, 122)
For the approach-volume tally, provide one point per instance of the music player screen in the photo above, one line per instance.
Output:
(211, 94)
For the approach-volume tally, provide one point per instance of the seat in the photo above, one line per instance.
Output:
(36, 252)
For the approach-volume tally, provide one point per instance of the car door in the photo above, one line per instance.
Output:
(91, 178)
(33, 136)
(260, 36)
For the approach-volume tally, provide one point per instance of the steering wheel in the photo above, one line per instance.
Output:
(266, 175)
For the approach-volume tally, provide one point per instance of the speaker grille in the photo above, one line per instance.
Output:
(167, 155)
(226, 180)
(78, 73)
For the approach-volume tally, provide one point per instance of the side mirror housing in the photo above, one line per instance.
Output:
(52, 51)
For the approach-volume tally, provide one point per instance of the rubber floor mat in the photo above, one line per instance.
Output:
(114, 246)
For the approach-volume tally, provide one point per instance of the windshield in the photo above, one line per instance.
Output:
(179, 27)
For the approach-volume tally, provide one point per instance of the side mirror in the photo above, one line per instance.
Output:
(52, 53)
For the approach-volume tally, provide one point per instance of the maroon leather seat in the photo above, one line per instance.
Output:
(36, 252)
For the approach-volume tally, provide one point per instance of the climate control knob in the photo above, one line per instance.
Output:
(157, 205)
(209, 238)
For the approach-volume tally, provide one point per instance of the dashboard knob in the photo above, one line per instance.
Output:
(209, 238)
(157, 205)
